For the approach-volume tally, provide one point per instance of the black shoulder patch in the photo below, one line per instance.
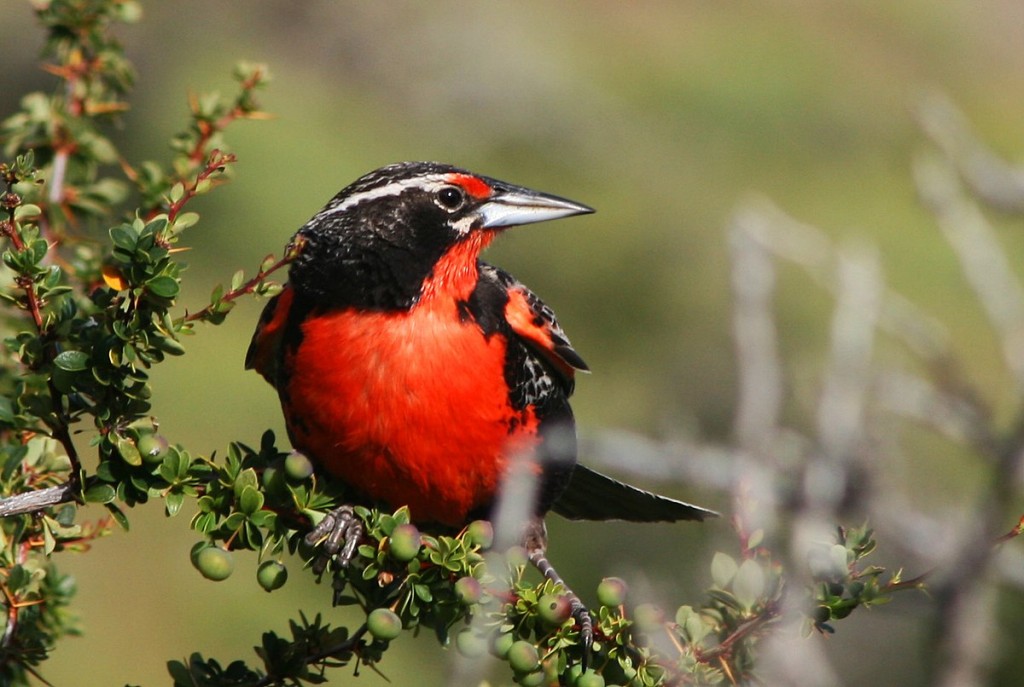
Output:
(532, 380)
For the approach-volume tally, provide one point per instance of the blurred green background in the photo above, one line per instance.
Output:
(663, 116)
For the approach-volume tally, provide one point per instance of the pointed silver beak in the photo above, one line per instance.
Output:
(511, 206)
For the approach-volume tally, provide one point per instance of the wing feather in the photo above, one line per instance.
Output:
(535, 324)
(264, 352)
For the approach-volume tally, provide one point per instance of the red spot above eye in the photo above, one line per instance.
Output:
(472, 185)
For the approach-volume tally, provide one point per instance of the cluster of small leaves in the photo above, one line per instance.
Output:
(301, 658)
(844, 584)
(267, 500)
(64, 127)
(35, 594)
(403, 579)
(86, 315)
(210, 115)
(717, 642)
(259, 500)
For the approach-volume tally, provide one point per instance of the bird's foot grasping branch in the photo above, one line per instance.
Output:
(535, 541)
(338, 534)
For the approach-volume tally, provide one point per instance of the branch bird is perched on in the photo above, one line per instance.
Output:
(413, 371)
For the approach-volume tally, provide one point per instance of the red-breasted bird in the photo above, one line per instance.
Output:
(413, 371)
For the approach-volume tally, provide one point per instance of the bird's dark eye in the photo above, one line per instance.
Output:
(450, 197)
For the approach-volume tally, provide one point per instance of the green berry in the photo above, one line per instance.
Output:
(470, 644)
(517, 556)
(271, 575)
(273, 479)
(468, 590)
(589, 679)
(404, 543)
(501, 643)
(297, 466)
(523, 656)
(193, 555)
(480, 533)
(152, 447)
(214, 563)
(384, 624)
(535, 678)
(612, 591)
(554, 609)
(648, 618)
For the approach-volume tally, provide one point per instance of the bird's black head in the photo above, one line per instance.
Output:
(377, 242)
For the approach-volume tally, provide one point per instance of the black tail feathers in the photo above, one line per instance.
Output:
(593, 496)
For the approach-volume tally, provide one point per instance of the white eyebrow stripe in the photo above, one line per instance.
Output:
(431, 182)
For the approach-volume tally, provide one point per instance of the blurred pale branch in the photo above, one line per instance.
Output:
(794, 482)
(982, 259)
(997, 183)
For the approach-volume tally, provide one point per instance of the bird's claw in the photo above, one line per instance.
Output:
(581, 614)
(535, 541)
(337, 535)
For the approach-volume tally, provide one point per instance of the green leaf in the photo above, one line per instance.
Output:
(251, 500)
(49, 542)
(169, 345)
(100, 493)
(128, 451)
(749, 583)
(173, 502)
(177, 192)
(179, 673)
(124, 237)
(6, 411)
(723, 569)
(246, 478)
(118, 515)
(27, 211)
(186, 220)
(691, 624)
(422, 591)
(72, 361)
(38, 249)
(164, 287)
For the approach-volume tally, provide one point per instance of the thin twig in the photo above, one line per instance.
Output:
(215, 164)
(248, 287)
(765, 617)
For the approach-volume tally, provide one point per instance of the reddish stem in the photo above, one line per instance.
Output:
(246, 288)
(215, 164)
